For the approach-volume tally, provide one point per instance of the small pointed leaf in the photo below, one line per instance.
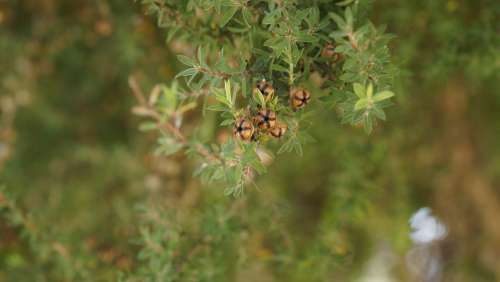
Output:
(359, 90)
(260, 98)
(186, 60)
(361, 104)
(227, 88)
(369, 90)
(227, 15)
(383, 95)
(187, 72)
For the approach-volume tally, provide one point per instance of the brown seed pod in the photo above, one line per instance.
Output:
(299, 97)
(279, 130)
(265, 119)
(301, 66)
(328, 52)
(266, 89)
(243, 129)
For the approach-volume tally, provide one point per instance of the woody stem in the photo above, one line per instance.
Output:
(153, 113)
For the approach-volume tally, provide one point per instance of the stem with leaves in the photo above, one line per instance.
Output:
(147, 110)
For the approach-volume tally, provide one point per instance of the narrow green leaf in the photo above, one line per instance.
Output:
(361, 104)
(338, 20)
(216, 108)
(279, 68)
(221, 96)
(383, 95)
(378, 112)
(200, 54)
(227, 122)
(247, 16)
(337, 34)
(167, 147)
(187, 107)
(228, 191)
(287, 146)
(227, 15)
(190, 80)
(148, 125)
(369, 90)
(238, 30)
(349, 18)
(227, 88)
(359, 90)
(260, 98)
(218, 174)
(187, 72)
(186, 60)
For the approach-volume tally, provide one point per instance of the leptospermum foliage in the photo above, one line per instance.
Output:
(250, 56)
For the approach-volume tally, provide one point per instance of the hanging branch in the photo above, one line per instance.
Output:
(146, 109)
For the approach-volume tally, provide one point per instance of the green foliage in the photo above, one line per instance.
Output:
(198, 249)
(239, 43)
(87, 197)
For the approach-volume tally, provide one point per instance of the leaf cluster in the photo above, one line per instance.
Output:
(332, 49)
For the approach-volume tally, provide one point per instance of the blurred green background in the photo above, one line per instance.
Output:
(78, 176)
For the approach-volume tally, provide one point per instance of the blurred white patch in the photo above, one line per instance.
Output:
(424, 259)
(380, 265)
(426, 227)
(178, 121)
(265, 157)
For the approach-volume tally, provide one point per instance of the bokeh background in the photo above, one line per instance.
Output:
(79, 178)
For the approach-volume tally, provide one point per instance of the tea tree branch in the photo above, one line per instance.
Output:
(265, 53)
(151, 112)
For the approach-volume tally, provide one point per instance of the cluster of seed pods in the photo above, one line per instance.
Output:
(265, 121)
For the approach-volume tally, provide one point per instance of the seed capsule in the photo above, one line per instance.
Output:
(279, 130)
(299, 97)
(266, 89)
(243, 129)
(328, 52)
(265, 119)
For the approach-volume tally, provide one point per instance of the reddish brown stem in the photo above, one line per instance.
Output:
(153, 113)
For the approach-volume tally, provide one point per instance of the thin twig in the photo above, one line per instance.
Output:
(136, 90)
(153, 113)
(352, 40)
